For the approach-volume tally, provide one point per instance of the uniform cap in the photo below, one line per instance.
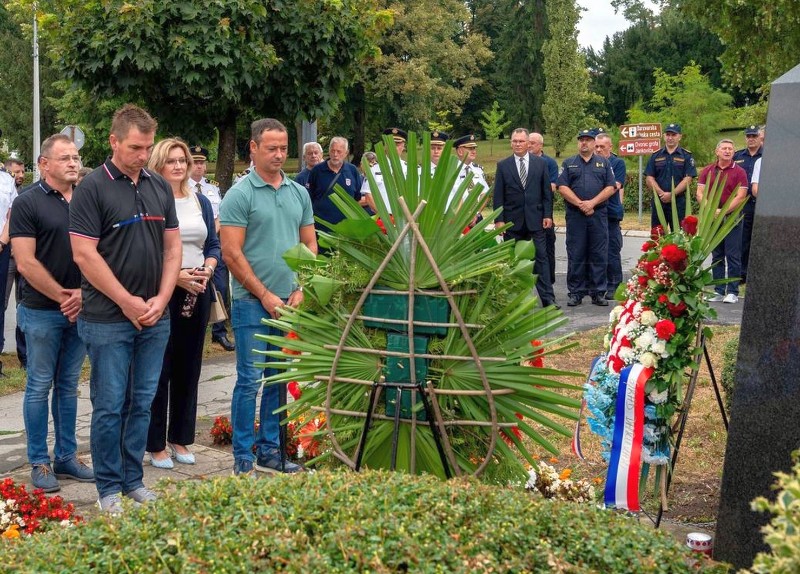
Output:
(397, 134)
(587, 134)
(751, 131)
(199, 152)
(673, 128)
(439, 137)
(466, 141)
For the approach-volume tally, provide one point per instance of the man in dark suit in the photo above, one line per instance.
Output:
(522, 189)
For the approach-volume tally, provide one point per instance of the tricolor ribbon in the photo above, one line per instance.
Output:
(576, 436)
(624, 468)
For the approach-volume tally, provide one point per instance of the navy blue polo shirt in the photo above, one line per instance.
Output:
(586, 178)
(747, 162)
(552, 168)
(320, 188)
(42, 213)
(615, 209)
(128, 221)
(302, 177)
(667, 167)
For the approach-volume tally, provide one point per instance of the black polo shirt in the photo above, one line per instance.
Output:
(128, 222)
(43, 214)
(586, 179)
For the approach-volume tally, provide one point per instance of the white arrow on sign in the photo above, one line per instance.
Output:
(624, 132)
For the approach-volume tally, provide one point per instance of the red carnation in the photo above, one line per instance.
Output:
(294, 390)
(381, 225)
(642, 280)
(665, 329)
(616, 363)
(624, 342)
(689, 224)
(676, 310)
(663, 299)
(656, 232)
(674, 256)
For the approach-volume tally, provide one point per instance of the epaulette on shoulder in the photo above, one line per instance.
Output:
(213, 182)
(688, 151)
(478, 166)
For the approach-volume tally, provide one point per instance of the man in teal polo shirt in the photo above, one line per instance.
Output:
(261, 217)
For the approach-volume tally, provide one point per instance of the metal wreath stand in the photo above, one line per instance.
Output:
(680, 424)
(425, 389)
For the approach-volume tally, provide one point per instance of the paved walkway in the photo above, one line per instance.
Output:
(216, 386)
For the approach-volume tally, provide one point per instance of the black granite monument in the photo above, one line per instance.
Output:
(765, 417)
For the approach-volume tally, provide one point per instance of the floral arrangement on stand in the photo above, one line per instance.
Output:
(654, 337)
(24, 513)
(552, 484)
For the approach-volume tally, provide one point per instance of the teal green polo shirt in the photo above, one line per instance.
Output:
(272, 218)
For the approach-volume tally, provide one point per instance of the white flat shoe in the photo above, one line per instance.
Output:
(165, 463)
(187, 458)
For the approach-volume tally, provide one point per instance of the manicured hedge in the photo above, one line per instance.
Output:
(344, 522)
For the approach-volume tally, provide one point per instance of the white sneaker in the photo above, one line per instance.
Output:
(715, 299)
(730, 298)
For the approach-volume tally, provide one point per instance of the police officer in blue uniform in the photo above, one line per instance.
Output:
(535, 146)
(586, 182)
(670, 166)
(603, 147)
(746, 159)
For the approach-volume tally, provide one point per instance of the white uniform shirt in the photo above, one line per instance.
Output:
(8, 192)
(211, 191)
(376, 172)
(478, 178)
(756, 171)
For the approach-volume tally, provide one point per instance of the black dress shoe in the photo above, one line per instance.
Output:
(224, 342)
(599, 300)
(610, 296)
(551, 304)
(574, 301)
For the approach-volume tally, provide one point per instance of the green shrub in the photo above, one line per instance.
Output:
(728, 375)
(347, 522)
(782, 534)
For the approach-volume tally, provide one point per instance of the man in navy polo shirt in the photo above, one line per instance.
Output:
(126, 242)
(325, 175)
(586, 182)
(670, 166)
(50, 299)
(746, 159)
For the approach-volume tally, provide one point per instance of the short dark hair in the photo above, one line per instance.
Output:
(129, 116)
(47, 145)
(258, 127)
(15, 160)
(520, 131)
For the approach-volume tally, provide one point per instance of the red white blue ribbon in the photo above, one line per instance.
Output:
(576, 436)
(624, 469)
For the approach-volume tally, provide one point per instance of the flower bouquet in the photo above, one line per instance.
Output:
(654, 340)
(24, 513)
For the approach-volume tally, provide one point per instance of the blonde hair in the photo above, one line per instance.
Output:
(158, 159)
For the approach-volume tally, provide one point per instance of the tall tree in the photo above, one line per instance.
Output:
(200, 65)
(761, 39)
(622, 71)
(566, 92)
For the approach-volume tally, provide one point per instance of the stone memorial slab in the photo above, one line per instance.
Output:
(764, 427)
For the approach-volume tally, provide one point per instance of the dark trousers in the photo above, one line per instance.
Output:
(5, 255)
(614, 265)
(541, 266)
(550, 236)
(221, 282)
(587, 253)
(749, 213)
(180, 374)
(667, 207)
(726, 261)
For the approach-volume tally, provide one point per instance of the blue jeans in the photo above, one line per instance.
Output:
(728, 254)
(246, 315)
(55, 357)
(126, 364)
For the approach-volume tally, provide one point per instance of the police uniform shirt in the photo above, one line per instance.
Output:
(615, 209)
(747, 162)
(667, 167)
(586, 178)
(478, 178)
(552, 168)
(376, 172)
(210, 190)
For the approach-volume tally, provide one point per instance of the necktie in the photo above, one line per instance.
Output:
(523, 172)
(199, 188)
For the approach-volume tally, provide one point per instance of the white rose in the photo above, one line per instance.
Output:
(644, 340)
(616, 312)
(658, 398)
(648, 318)
(660, 348)
(648, 360)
